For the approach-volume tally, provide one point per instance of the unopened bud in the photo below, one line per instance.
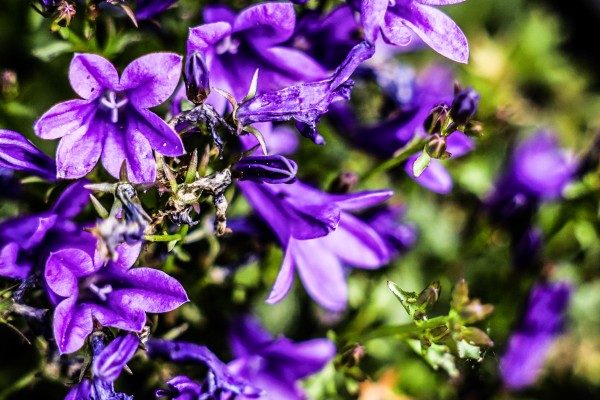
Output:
(436, 147)
(429, 296)
(437, 119)
(353, 355)
(9, 84)
(473, 128)
(266, 169)
(464, 106)
(460, 295)
(476, 337)
(344, 182)
(196, 77)
(475, 311)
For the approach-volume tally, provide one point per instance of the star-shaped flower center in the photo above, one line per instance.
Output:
(113, 101)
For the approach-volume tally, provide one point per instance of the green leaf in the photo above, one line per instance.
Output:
(253, 87)
(421, 164)
(407, 299)
(259, 137)
(52, 50)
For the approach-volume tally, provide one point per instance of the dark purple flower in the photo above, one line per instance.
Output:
(464, 105)
(25, 242)
(108, 362)
(235, 46)
(115, 295)
(529, 345)
(196, 78)
(397, 234)
(148, 9)
(266, 169)
(397, 19)
(318, 236)
(538, 171)
(305, 102)
(220, 383)
(327, 38)
(19, 154)
(112, 120)
(275, 364)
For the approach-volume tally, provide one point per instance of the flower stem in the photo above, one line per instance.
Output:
(406, 330)
(411, 148)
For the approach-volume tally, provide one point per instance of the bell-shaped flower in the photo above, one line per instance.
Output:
(26, 242)
(19, 154)
(115, 295)
(235, 46)
(529, 345)
(319, 237)
(397, 19)
(111, 121)
(275, 364)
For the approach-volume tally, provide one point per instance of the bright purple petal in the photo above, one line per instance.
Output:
(204, 36)
(371, 15)
(64, 267)
(110, 362)
(439, 2)
(159, 134)
(285, 278)
(72, 201)
(267, 23)
(71, 327)
(91, 74)
(435, 178)
(151, 79)
(394, 31)
(18, 153)
(78, 153)
(458, 144)
(218, 13)
(65, 119)
(9, 267)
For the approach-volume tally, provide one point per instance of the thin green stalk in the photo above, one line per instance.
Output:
(411, 148)
(406, 330)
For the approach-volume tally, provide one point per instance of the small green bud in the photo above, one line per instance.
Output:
(476, 337)
(460, 295)
(437, 119)
(429, 296)
(436, 147)
(474, 128)
(475, 311)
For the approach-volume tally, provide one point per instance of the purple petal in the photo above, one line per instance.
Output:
(435, 178)
(8, 263)
(300, 359)
(65, 119)
(18, 153)
(91, 74)
(204, 36)
(458, 144)
(436, 29)
(371, 16)
(321, 273)
(125, 144)
(293, 64)
(218, 13)
(127, 255)
(110, 362)
(267, 23)
(72, 201)
(285, 278)
(78, 153)
(159, 134)
(71, 327)
(394, 31)
(439, 2)
(64, 267)
(246, 336)
(151, 79)
(357, 244)
(524, 359)
(357, 201)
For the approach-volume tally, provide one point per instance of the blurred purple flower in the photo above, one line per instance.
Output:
(397, 19)
(108, 362)
(25, 242)
(529, 345)
(19, 154)
(148, 9)
(398, 235)
(318, 236)
(275, 365)
(234, 46)
(115, 295)
(112, 119)
(220, 383)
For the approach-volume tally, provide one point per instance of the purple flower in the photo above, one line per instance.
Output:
(275, 365)
(25, 242)
(115, 295)
(112, 120)
(327, 38)
(529, 345)
(19, 154)
(318, 236)
(108, 362)
(397, 19)
(221, 383)
(236, 45)
(305, 102)
(266, 169)
(538, 171)
(387, 221)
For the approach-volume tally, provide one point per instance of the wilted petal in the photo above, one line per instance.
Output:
(322, 277)
(148, 86)
(435, 28)
(91, 74)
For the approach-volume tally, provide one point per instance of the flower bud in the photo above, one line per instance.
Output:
(196, 77)
(9, 85)
(344, 182)
(473, 128)
(436, 147)
(266, 169)
(464, 106)
(437, 119)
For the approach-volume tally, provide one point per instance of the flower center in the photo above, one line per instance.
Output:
(100, 292)
(228, 44)
(113, 101)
